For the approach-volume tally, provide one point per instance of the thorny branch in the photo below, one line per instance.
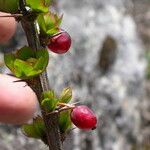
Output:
(40, 83)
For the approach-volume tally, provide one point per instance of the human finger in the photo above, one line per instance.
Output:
(7, 27)
(18, 102)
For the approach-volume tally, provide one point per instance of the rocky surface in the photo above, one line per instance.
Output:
(141, 12)
(105, 67)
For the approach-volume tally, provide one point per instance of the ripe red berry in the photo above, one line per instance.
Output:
(60, 43)
(83, 117)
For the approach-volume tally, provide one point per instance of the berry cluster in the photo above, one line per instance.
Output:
(81, 116)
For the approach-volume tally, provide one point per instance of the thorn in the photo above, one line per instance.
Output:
(10, 74)
(65, 105)
(20, 80)
(12, 15)
(65, 108)
(16, 16)
(68, 105)
(76, 103)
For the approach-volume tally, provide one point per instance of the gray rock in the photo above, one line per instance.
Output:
(114, 94)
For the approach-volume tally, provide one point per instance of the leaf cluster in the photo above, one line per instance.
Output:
(12, 6)
(50, 102)
(26, 63)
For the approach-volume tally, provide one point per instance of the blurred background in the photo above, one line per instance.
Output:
(108, 67)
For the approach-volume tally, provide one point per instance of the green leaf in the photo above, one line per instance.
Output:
(49, 101)
(25, 53)
(39, 126)
(52, 31)
(64, 121)
(30, 131)
(49, 20)
(49, 23)
(22, 68)
(33, 73)
(47, 3)
(49, 104)
(36, 129)
(41, 23)
(31, 61)
(39, 6)
(52, 20)
(66, 95)
(48, 94)
(9, 60)
(26, 62)
(43, 58)
(10, 6)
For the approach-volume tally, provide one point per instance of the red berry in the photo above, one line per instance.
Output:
(83, 117)
(60, 43)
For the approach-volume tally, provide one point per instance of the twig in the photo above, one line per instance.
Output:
(40, 83)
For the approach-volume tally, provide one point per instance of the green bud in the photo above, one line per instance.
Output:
(66, 95)
(49, 101)
(36, 129)
(64, 121)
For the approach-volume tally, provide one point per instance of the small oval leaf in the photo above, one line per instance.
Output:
(64, 121)
(66, 95)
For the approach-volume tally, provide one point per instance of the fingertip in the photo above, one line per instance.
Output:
(7, 27)
(18, 102)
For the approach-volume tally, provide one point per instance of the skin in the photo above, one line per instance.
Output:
(7, 27)
(18, 102)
